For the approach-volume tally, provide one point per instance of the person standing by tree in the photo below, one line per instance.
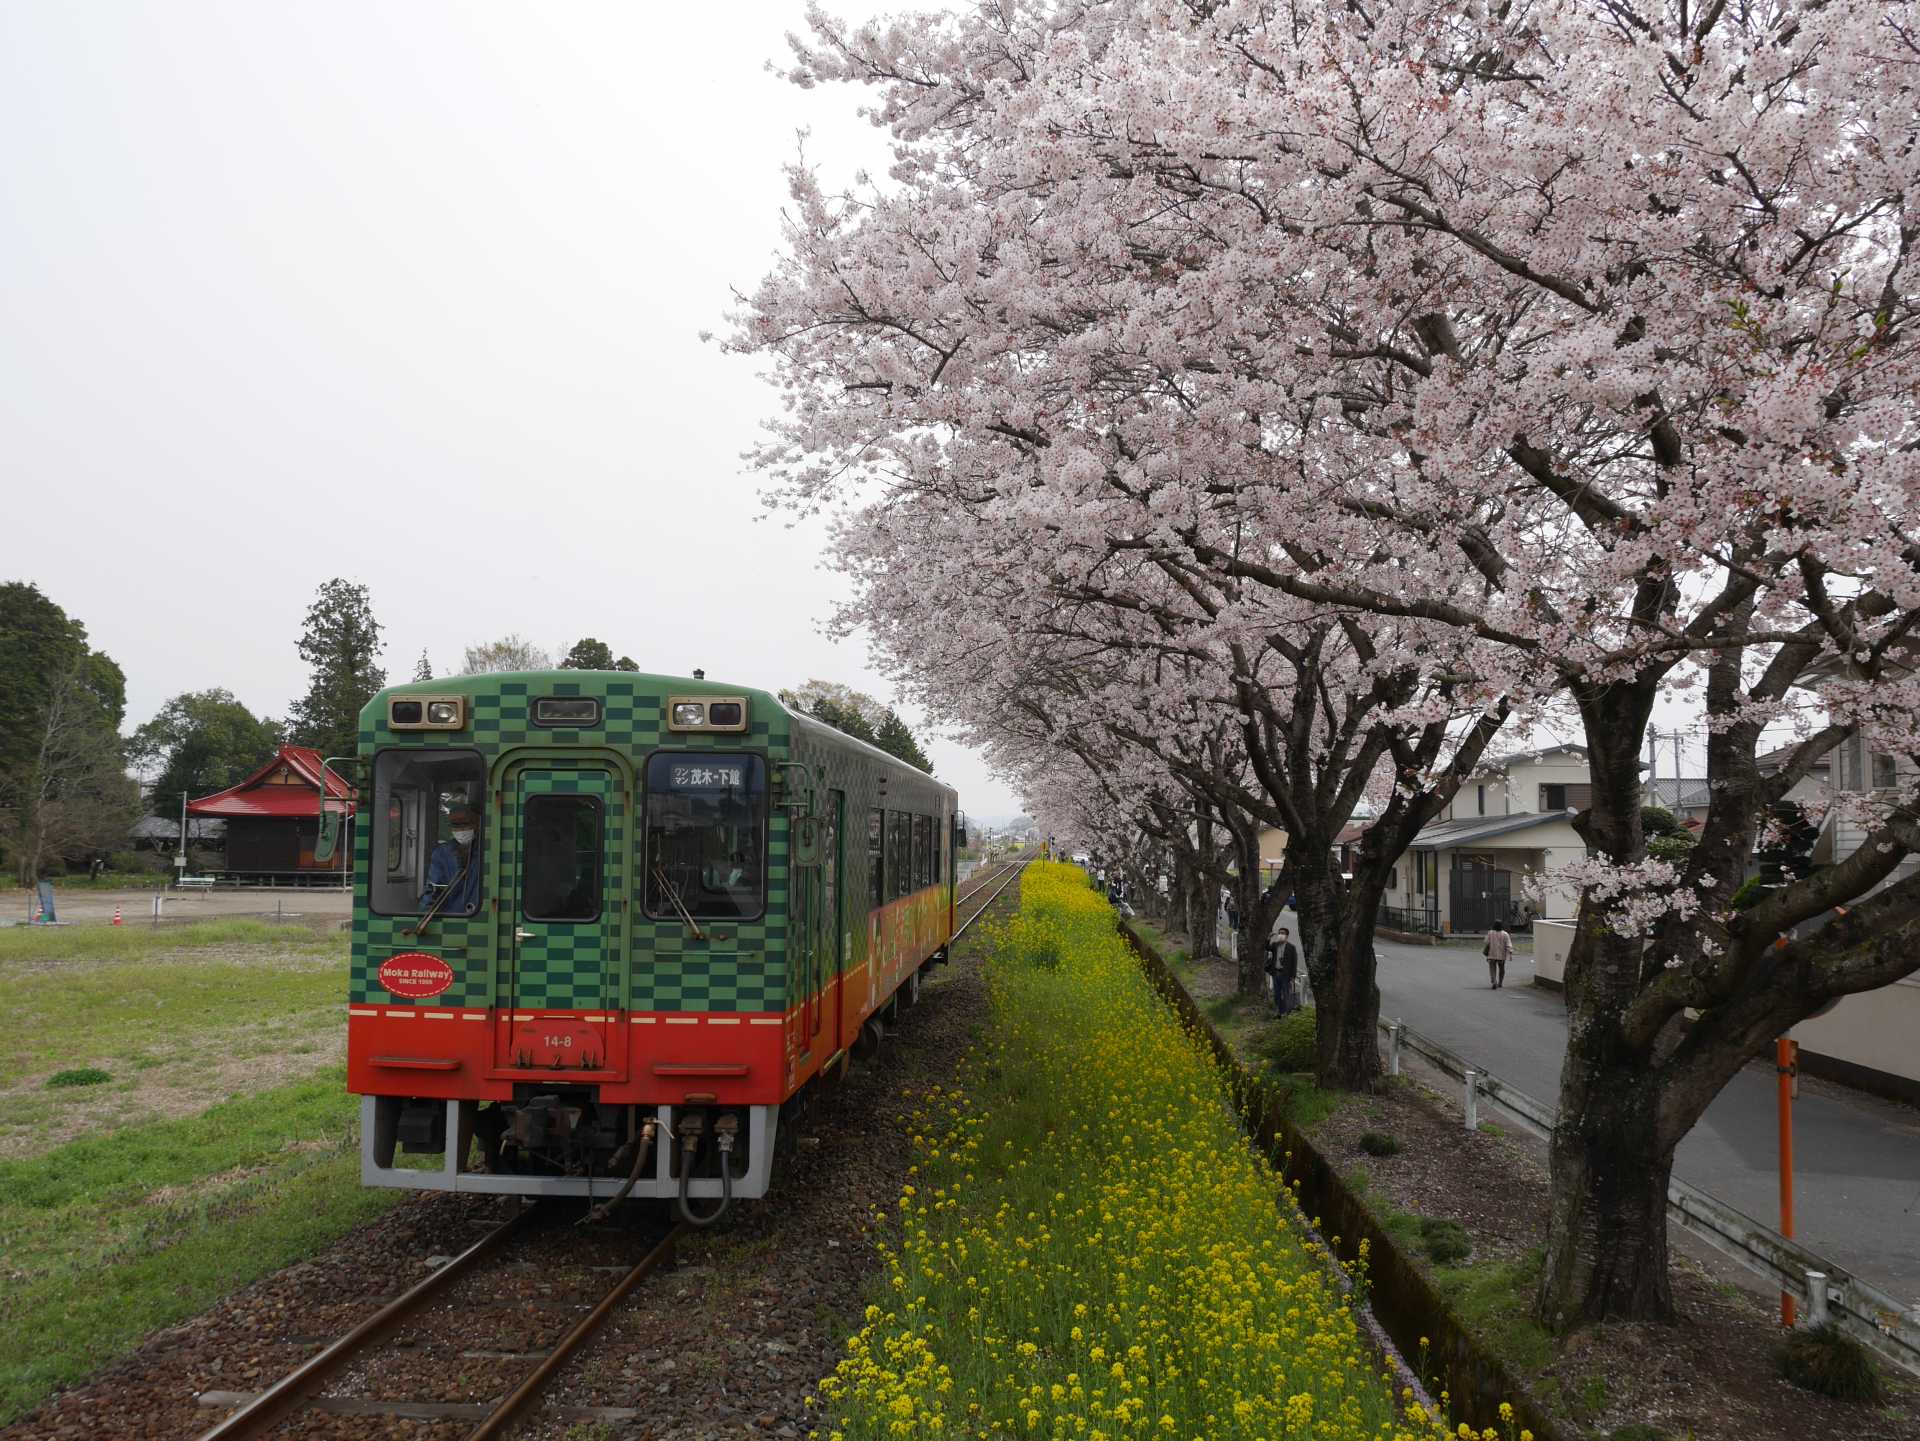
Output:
(1498, 949)
(1283, 964)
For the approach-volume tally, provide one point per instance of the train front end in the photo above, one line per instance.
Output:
(569, 973)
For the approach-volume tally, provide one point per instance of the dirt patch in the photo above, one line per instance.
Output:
(240, 1061)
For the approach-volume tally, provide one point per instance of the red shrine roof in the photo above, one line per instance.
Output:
(285, 788)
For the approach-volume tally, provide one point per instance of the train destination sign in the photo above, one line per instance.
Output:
(415, 975)
(710, 776)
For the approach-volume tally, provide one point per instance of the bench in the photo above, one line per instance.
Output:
(193, 883)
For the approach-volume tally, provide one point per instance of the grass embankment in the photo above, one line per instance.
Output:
(131, 1204)
(1088, 1246)
(1491, 1297)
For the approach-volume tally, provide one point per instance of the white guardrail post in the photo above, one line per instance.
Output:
(1887, 1327)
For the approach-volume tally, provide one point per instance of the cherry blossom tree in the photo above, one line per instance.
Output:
(1571, 339)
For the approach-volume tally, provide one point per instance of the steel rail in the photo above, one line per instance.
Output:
(265, 1410)
(507, 1410)
(980, 879)
(987, 904)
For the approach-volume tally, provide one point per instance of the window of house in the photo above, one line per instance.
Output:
(1883, 774)
(1480, 798)
(1553, 797)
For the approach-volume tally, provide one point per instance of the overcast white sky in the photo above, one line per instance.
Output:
(411, 294)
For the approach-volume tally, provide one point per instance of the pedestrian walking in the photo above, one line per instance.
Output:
(1283, 964)
(1498, 948)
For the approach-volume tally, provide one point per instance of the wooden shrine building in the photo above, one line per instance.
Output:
(273, 819)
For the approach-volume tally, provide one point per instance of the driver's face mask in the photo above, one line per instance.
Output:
(464, 838)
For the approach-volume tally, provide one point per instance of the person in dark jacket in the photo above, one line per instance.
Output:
(1283, 964)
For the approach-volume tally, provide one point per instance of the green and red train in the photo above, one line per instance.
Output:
(607, 925)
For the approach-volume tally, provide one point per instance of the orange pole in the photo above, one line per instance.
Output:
(1783, 1065)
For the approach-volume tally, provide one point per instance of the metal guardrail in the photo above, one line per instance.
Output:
(1825, 1291)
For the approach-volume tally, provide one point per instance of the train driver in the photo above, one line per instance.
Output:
(454, 867)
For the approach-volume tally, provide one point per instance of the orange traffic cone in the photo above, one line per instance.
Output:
(116, 915)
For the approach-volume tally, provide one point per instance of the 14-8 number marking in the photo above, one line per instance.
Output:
(557, 1040)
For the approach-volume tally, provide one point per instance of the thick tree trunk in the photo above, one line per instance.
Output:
(1346, 1000)
(1259, 906)
(1607, 1230)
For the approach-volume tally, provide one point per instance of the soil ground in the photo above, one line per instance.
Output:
(89, 907)
(1712, 1376)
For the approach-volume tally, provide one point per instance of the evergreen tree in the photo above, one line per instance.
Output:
(588, 654)
(627, 663)
(893, 737)
(342, 644)
(860, 716)
(63, 785)
(423, 668)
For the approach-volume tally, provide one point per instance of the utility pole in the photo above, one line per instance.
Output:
(1653, 766)
(180, 860)
(1678, 770)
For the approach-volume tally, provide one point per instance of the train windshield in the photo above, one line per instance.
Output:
(706, 835)
(427, 841)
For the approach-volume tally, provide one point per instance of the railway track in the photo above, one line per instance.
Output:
(998, 883)
(301, 1388)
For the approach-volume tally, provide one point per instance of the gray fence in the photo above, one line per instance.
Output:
(1824, 1290)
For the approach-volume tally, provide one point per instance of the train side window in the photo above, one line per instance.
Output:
(920, 839)
(876, 871)
(398, 834)
(899, 854)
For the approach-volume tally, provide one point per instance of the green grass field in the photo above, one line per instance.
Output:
(221, 1146)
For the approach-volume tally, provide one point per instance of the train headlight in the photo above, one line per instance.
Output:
(707, 713)
(427, 713)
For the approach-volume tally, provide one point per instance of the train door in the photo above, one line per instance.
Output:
(559, 917)
(829, 951)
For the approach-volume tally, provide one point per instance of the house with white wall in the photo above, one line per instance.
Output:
(1510, 821)
(1872, 1039)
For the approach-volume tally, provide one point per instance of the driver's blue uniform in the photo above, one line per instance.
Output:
(442, 866)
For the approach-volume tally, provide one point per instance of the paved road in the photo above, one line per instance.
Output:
(84, 906)
(1856, 1158)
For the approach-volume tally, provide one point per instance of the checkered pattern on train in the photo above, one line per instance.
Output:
(569, 965)
(671, 970)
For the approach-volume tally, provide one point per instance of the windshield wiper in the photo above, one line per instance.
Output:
(673, 895)
(446, 894)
